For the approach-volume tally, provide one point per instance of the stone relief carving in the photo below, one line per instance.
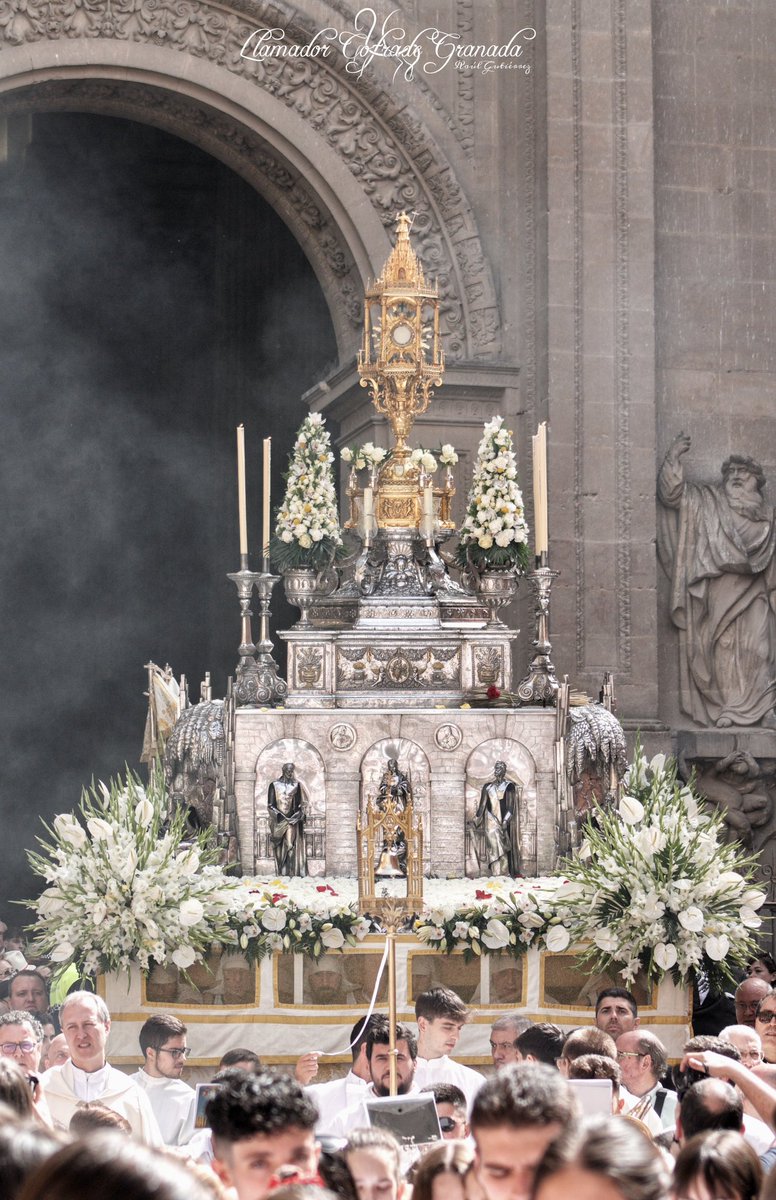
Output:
(448, 737)
(410, 667)
(717, 541)
(342, 737)
(737, 786)
(390, 153)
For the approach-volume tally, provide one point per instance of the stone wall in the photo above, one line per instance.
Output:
(715, 215)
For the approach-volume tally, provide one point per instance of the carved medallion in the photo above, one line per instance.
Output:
(342, 736)
(448, 737)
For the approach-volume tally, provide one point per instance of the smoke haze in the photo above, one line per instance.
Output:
(140, 325)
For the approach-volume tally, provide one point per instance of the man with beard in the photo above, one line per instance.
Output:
(377, 1052)
(721, 554)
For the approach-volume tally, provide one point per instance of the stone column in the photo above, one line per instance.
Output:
(601, 402)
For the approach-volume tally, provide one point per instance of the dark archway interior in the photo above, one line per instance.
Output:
(152, 301)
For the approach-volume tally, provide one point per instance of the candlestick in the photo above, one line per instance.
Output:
(242, 503)
(265, 500)
(539, 443)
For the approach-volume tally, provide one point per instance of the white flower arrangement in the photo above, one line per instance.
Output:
(654, 887)
(307, 530)
(502, 915)
(360, 457)
(122, 888)
(447, 455)
(300, 916)
(494, 532)
(424, 458)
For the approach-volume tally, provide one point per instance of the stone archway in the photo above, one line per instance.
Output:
(337, 157)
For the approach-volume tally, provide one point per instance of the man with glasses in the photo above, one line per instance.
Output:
(451, 1110)
(643, 1063)
(503, 1038)
(163, 1043)
(21, 1037)
(88, 1076)
(765, 1024)
(747, 998)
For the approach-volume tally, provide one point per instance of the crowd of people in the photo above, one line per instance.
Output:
(73, 1127)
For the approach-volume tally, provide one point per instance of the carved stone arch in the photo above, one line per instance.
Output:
(354, 153)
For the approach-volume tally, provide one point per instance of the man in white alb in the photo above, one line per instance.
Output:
(441, 1015)
(163, 1043)
(87, 1076)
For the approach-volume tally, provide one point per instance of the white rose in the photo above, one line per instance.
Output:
(495, 935)
(665, 955)
(191, 911)
(557, 938)
(273, 919)
(429, 462)
(504, 538)
(346, 454)
(184, 957)
(68, 830)
(485, 541)
(631, 810)
(333, 939)
(691, 919)
(717, 948)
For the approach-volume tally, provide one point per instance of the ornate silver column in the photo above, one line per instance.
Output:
(540, 685)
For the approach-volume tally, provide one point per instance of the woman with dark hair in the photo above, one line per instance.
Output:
(602, 1158)
(15, 1088)
(763, 967)
(23, 1147)
(718, 1163)
(108, 1165)
(441, 1174)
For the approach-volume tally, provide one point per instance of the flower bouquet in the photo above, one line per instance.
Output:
(123, 886)
(298, 916)
(494, 532)
(654, 887)
(307, 530)
(506, 916)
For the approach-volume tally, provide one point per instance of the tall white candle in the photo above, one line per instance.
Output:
(539, 442)
(267, 461)
(242, 503)
(368, 505)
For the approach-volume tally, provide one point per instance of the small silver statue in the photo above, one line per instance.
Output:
(287, 804)
(395, 789)
(497, 823)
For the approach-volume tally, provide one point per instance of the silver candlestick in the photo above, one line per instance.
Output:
(253, 684)
(272, 689)
(540, 685)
